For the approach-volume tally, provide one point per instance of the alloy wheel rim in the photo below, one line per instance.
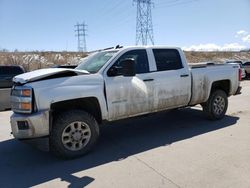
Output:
(219, 105)
(76, 136)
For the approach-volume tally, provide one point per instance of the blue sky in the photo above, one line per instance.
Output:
(49, 24)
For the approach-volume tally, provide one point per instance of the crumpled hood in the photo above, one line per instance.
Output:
(44, 73)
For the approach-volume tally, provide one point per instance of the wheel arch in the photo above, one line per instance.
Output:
(224, 85)
(88, 104)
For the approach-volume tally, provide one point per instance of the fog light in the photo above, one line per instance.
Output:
(23, 125)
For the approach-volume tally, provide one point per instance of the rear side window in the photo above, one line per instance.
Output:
(167, 59)
(247, 63)
(8, 70)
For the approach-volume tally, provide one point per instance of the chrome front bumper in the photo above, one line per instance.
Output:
(36, 125)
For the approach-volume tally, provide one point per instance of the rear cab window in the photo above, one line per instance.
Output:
(167, 59)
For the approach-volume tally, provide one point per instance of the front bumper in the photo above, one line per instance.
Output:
(26, 126)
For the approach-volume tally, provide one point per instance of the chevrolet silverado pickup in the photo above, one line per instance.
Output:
(61, 109)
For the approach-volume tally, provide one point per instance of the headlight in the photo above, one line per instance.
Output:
(21, 99)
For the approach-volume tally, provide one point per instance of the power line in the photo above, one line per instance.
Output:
(81, 36)
(144, 23)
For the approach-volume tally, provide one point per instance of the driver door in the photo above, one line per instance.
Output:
(130, 96)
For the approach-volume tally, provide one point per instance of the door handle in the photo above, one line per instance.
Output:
(148, 80)
(184, 75)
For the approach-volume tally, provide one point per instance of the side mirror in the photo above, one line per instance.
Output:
(112, 71)
(128, 67)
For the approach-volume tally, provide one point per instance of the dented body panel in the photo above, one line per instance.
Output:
(120, 97)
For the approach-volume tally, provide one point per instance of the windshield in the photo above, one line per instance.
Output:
(95, 62)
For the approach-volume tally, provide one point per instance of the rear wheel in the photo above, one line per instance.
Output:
(73, 134)
(216, 106)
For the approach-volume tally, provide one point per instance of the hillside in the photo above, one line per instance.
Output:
(35, 60)
(195, 57)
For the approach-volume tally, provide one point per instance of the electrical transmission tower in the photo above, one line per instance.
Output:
(81, 36)
(144, 23)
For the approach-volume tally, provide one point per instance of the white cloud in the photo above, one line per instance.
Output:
(233, 47)
(246, 38)
(241, 33)
(215, 47)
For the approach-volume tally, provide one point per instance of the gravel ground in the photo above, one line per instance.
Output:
(170, 149)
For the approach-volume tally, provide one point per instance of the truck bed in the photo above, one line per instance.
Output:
(204, 74)
(204, 64)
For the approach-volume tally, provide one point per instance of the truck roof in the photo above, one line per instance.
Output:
(142, 47)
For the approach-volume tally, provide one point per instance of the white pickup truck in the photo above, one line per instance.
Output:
(62, 109)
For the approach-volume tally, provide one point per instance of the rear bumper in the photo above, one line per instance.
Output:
(238, 92)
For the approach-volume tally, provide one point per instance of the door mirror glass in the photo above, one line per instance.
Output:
(114, 71)
(128, 67)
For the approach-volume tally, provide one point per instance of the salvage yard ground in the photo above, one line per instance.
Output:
(169, 149)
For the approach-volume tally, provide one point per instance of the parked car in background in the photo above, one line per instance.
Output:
(246, 66)
(243, 71)
(6, 75)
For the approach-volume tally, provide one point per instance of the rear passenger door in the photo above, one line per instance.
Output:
(172, 79)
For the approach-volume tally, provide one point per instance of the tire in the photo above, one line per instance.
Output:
(216, 106)
(74, 133)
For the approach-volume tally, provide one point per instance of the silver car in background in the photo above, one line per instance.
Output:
(6, 75)
(243, 71)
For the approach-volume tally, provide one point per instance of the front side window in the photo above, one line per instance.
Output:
(141, 60)
(95, 62)
(167, 59)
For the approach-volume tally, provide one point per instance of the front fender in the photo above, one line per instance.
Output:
(46, 98)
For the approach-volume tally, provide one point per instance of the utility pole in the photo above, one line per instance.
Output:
(81, 36)
(144, 23)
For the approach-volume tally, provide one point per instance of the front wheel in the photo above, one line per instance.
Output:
(73, 134)
(216, 106)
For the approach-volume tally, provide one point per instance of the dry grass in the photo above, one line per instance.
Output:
(36, 60)
(195, 57)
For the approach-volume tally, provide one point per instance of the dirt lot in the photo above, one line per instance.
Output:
(170, 149)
